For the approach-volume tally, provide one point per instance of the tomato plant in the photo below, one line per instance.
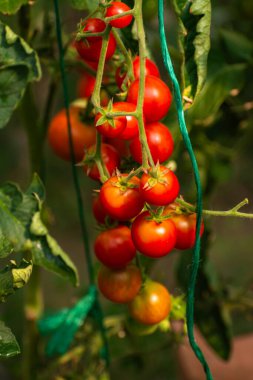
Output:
(117, 8)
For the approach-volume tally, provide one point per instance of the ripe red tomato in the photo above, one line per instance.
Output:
(116, 8)
(83, 135)
(110, 158)
(90, 48)
(185, 228)
(114, 247)
(98, 210)
(111, 128)
(122, 200)
(160, 143)
(152, 238)
(152, 304)
(86, 85)
(131, 129)
(157, 98)
(120, 145)
(119, 286)
(159, 187)
(150, 69)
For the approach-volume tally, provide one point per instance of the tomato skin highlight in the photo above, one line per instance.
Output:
(110, 157)
(116, 8)
(152, 304)
(161, 191)
(131, 130)
(160, 143)
(157, 98)
(121, 202)
(83, 135)
(151, 238)
(114, 247)
(119, 286)
(185, 228)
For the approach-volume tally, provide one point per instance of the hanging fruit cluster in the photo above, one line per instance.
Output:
(137, 209)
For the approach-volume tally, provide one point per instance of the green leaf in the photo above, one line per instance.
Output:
(236, 45)
(6, 247)
(216, 90)
(8, 345)
(11, 6)
(194, 18)
(14, 277)
(19, 64)
(48, 254)
(90, 5)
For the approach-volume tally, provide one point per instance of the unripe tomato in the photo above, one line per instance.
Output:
(160, 143)
(109, 156)
(116, 8)
(185, 228)
(152, 304)
(159, 186)
(150, 69)
(122, 200)
(98, 210)
(83, 135)
(119, 286)
(114, 247)
(131, 129)
(157, 98)
(139, 329)
(151, 238)
(112, 127)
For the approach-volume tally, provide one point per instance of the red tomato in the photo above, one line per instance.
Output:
(116, 8)
(98, 210)
(160, 143)
(119, 286)
(150, 69)
(114, 247)
(157, 98)
(113, 127)
(86, 85)
(90, 48)
(131, 129)
(152, 304)
(110, 158)
(120, 145)
(159, 187)
(122, 200)
(83, 135)
(185, 228)
(152, 238)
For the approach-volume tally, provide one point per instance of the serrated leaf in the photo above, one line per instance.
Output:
(48, 254)
(19, 64)
(11, 6)
(90, 5)
(8, 344)
(236, 45)
(14, 277)
(216, 90)
(194, 18)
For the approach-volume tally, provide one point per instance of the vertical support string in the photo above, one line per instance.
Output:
(196, 252)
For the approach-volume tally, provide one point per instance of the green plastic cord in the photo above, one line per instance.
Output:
(187, 141)
(64, 324)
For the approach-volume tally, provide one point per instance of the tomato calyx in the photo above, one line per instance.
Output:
(156, 176)
(105, 118)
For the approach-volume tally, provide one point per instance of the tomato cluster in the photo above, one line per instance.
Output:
(139, 210)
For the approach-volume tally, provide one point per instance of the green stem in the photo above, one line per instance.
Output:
(115, 17)
(128, 58)
(141, 267)
(103, 172)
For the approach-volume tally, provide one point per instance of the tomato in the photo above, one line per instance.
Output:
(90, 48)
(83, 135)
(152, 304)
(159, 186)
(114, 247)
(98, 210)
(119, 286)
(120, 145)
(185, 228)
(150, 69)
(160, 143)
(152, 238)
(131, 129)
(116, 8)
(86, 85)
(110, 158)
(157, 97)
(111, 127)
(122, 200)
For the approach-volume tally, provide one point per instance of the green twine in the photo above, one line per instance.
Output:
(64, 324)
(187, 141)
